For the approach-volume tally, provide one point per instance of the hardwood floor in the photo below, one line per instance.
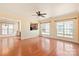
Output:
(39, 46)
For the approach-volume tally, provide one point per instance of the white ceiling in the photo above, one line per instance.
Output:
(27, 10)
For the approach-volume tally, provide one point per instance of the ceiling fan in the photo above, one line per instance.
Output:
(38, 13)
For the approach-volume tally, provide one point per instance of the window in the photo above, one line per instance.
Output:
(7, 29)
(65, 29)
(68, 29)
(60, 29)
(10, 29)
(4, 29)
(45, 28)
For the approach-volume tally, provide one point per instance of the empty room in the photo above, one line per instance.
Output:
(39, 29)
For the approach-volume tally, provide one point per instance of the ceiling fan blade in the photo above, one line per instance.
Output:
(44, 14)
(34, 15)
(38, 12)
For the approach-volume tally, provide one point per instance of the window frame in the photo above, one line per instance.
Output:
(65, 35)
(7, 30)
(47, 33)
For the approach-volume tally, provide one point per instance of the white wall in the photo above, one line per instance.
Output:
(25, 29)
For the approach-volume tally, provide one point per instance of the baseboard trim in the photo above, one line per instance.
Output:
(52, 38)
(30, 38)
(61, 40)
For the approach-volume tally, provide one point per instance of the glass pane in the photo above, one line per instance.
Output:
(7, 29)
(4, 29)
(10, 26)
(45, 28)
(65, 29)
(68, 28)
(0, 31)
(10, 31)
(59, 28)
